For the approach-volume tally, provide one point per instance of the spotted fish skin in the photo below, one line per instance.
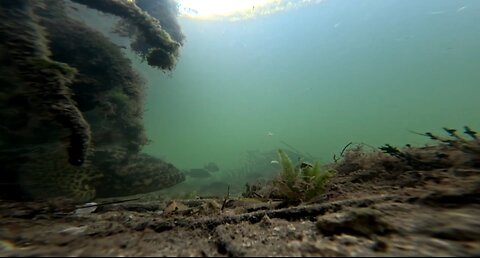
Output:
(50, 175)
(142, 174)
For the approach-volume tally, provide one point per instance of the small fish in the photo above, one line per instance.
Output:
(274, 162)
(269, 134)
(461, 8)
(212, 167)
(197, 172)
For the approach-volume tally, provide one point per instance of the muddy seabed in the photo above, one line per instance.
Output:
(364, 212)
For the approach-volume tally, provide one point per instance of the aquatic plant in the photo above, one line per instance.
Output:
(355, 157)
(471, 146)
(452, 151)
(302, 182)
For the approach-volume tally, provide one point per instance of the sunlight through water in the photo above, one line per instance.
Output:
(236, 9)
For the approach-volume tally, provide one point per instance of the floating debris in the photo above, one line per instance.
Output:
(87, 208)
(74, 230)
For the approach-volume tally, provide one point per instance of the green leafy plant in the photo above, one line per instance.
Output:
(302, 182)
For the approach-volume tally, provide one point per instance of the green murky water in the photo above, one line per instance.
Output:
(317, 78)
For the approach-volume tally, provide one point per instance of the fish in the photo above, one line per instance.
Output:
(197, 173)
(211, 167)
(269, 134)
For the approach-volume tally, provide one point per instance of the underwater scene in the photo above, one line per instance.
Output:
(239, 128)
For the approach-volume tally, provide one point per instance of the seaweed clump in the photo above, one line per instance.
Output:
(451, 151)
(302, 182)
(107, 90)
(36, 91)
(151, 40)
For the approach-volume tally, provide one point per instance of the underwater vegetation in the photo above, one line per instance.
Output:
(259, 165)
(302, 182)
(446, 153)
(71, 103)
(449, 152)
(151, 41)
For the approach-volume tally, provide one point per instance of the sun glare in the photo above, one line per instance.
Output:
(235, 9)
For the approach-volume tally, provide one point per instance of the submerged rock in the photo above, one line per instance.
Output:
(359, 221)
(71, 103)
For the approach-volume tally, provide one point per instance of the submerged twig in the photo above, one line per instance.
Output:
(106, 203)
(348, 145)
(291, 213)
(226, 198)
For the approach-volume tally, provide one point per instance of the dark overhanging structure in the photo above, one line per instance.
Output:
(71, 103)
